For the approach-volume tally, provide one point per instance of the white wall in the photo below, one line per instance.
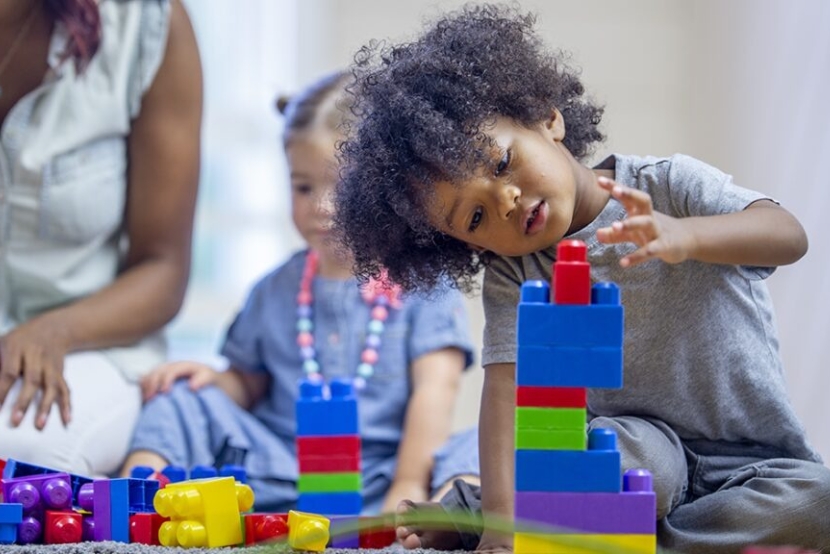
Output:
(740, 84)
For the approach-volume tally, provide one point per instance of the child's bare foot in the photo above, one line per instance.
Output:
(426, 525)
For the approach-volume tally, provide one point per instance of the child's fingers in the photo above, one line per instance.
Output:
(642, 254)
(200, 379)
(639, 229)
(635, 201)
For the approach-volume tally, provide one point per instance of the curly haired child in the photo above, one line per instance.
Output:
(469, 155)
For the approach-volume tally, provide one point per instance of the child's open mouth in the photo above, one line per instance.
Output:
(537, 218)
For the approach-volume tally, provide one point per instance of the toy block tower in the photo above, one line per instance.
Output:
(328, 449)
(567, 480)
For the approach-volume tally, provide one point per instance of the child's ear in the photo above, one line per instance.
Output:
(555, 125)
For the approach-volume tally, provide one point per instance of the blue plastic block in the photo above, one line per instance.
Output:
(236, 471)
(203, 472)
(8, 533)
(11, 513)
(120, 509)
(175, 474)
(536, 292)
(320, 416)
(555, 366)
(330, 503)
(567, 471)
(141, 472)
(142, 492)
(593, 470)
(595, 325)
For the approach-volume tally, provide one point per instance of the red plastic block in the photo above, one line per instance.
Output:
(331, 464)
(63, 527)
(571, 274)
(264, 527)
(551, 397)
(327, 446)
(144, 528)
(376, 532)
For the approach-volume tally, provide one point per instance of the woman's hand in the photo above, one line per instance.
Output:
(658, 235)
(34, 352)
(161, 379)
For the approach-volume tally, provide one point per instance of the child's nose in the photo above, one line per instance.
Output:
(325, 205)
(508, 199)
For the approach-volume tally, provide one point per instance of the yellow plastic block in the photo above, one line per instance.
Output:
(307, 531)
(202, 512)
(531, 543)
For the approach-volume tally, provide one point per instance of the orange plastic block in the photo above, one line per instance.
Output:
(203, 512)
(307, 531)
(265, 527)
(63, 527)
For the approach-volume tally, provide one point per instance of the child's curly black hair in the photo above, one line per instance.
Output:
(422, 109)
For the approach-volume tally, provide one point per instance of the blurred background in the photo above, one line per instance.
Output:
(738, 84)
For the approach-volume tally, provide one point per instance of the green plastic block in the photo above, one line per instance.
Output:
(552, 418)
(329, 482)
(550, 439)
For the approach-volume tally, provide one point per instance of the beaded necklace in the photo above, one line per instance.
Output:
(378, 294)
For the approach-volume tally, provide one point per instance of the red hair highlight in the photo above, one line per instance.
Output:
(82, 21)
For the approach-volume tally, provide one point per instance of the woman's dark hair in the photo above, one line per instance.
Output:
(324, 102)
(422, 109)
(82, 21)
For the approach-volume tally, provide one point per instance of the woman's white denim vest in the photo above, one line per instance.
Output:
(63, 173)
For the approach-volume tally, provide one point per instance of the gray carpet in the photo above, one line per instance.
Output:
(109, 547)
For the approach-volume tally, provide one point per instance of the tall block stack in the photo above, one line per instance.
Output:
(328, 449)
(569, 481)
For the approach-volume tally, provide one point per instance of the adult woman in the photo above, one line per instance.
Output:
(100, 107)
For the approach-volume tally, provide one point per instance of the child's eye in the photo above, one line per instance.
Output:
(475, 221)
(303, 189)
(504, 163)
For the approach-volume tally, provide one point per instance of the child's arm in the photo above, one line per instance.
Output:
(244, 388)
(763, 235)
(496, 448)
(435, 382)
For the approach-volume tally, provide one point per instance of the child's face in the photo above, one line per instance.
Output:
(522, 201)
(313, 166)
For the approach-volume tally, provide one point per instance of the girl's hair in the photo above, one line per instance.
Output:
(422, 111)
(82, 21)
(324, 102)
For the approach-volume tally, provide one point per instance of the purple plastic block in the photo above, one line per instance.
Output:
(86, 497)
(39, 492)
(591, 512)
(88, 529)
(102, 512)
(345, 532)
(29, 531)
(637, 480)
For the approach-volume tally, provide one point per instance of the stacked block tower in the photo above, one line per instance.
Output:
(328, 453)
(568, 481)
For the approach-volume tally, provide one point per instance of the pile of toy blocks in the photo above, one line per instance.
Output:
(569, 497)
(328, 454)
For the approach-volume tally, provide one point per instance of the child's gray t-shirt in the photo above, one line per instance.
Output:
(701, 348)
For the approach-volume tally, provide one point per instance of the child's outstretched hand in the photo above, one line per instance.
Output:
(658, 235)
(162, 378)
